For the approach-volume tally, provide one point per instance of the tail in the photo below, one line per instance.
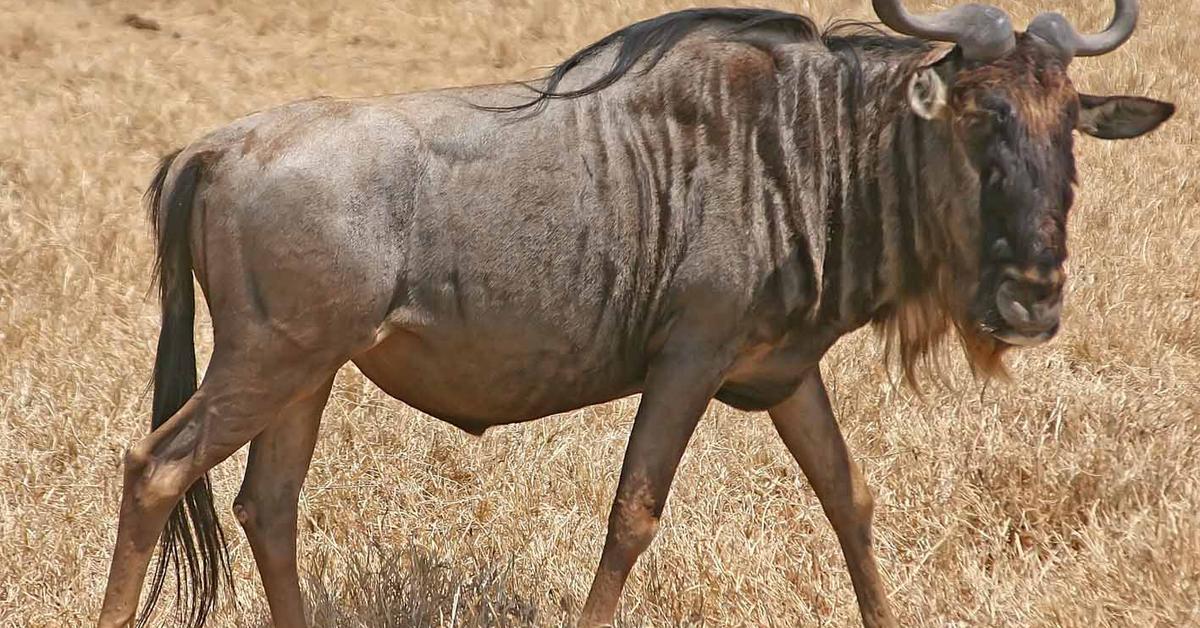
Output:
(192, 544)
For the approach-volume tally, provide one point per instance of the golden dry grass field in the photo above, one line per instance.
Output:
(1068, 497)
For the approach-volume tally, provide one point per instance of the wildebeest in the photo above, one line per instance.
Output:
(697, 206)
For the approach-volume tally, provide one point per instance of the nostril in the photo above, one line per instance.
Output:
(1048, 309)
(1020, 312)
(1028, 308)
(1010, 306)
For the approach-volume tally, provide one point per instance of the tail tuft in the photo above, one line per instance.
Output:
(193, 543)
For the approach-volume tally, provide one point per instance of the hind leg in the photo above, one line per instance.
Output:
(241, 393)
(266, 506)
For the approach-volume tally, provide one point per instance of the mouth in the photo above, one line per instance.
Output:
(1014, 338)
(1017, 339)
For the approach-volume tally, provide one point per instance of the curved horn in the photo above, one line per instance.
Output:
(1057, 30)
(984, 33)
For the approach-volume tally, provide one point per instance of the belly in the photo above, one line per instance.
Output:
(475, 384)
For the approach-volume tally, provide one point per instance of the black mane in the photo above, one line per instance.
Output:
(658, 35)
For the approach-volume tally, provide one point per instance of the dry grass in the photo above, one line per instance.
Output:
(1069, 497)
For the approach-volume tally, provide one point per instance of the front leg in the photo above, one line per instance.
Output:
(806, 422)
(677, 392)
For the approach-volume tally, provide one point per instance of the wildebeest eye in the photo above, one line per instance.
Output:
(978, 121)
(987, 120)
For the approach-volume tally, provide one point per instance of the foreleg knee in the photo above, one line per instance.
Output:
(633, 522)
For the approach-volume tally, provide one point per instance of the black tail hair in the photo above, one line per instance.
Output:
(193, 543)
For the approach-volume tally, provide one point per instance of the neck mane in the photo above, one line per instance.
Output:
(896, 196)
(883, 201)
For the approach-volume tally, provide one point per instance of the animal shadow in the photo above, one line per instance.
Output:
(413, 587)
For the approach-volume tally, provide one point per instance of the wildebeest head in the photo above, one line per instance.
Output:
(1010, 104)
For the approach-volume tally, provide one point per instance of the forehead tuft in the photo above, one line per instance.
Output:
(1032, 78)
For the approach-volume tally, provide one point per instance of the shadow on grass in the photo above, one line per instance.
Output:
(411, 587)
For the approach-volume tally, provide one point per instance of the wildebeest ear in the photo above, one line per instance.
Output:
(927, 93)
(1121, 117)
